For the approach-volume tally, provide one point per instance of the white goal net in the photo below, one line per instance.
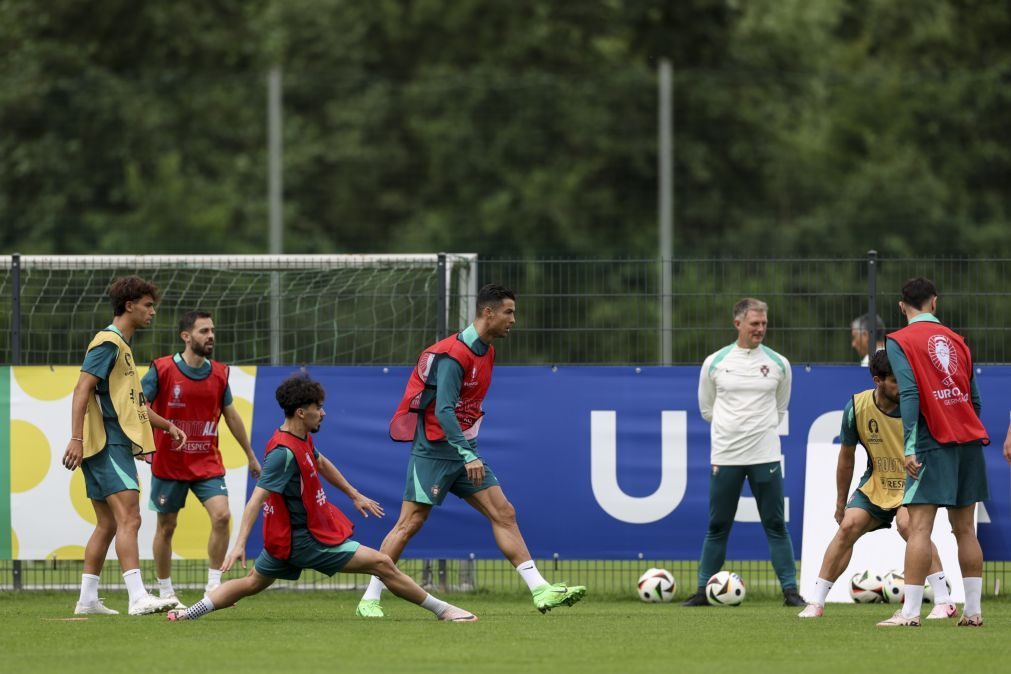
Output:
(283, 309)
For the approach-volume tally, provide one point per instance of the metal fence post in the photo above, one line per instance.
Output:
(16, 360)
(872, 302)
(441, 303)
(441, 332)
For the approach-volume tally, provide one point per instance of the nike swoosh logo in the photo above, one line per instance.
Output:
(771, 470)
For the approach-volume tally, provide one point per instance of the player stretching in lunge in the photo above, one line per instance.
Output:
(192, 390)
(440, 413)
(872, 418)
(301, 529)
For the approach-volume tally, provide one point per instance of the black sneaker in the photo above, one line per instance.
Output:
(697, 599)
(792, 598)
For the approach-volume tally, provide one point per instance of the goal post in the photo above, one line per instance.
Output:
(321, 309)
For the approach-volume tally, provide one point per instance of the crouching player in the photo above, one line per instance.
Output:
(301, 530)
(872, 419)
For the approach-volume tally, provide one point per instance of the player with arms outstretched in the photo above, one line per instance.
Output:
(301, 529)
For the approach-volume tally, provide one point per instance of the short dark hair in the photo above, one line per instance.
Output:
(492, 296)
(880, 367)
(130, 289)
(298, 391)
(916, 292)
(190, 319)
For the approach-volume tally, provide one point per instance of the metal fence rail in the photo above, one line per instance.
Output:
(601, 312)
(569, 312)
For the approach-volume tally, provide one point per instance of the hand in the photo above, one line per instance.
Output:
(475, 471)
(840, 510)
(254, 467)
(913, 466)
(365, 505)
(74, 455)
(238, 553)
(177, 435)
(1007, 447)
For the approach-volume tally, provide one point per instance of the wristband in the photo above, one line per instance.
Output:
(78, 439)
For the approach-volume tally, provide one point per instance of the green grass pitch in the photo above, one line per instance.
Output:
(281, 632)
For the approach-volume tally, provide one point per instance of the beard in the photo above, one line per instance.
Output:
(203, 350)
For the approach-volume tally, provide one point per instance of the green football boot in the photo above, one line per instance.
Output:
(369, 608)
(552, 595)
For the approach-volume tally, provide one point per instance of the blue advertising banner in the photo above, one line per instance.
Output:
(600, 462)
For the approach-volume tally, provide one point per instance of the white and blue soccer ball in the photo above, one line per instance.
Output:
(867, 587)
(893, 585)
(657, 586)
(725, 589)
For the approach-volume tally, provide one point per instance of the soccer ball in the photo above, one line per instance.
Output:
(894, 585)
(866, 587)
(928, 591)
(725, 589)
(657, 586)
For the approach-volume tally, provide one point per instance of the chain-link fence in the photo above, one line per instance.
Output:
(383, 311)
(359, 310)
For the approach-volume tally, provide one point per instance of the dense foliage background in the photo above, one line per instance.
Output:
(512, 129)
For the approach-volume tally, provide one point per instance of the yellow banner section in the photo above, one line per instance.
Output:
(51, 516)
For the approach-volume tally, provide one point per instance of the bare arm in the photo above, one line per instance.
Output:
(238, 430)
(249, 515)
(85, 388)
(843, 478)
(362, 503)
(160, 422)
(1007, 446)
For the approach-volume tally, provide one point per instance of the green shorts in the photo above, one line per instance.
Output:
(950, 476)
(306, 553)
(110, 471)
(429, 480)
(859, 500)
(169, 496)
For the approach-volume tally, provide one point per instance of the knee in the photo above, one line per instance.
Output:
(384, 565)
(105, 530)
(220, 520)
(849, 531)
(719, 527)
(166, 528)
(129, 524)
(505, 515)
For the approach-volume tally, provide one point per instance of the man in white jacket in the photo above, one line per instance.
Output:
(744, 390)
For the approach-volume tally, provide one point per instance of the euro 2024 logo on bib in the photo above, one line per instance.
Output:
(943, 356)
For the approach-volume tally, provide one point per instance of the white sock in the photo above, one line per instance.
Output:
(201, 608)
(213, 578)
(821, 590)
(941, 594)
(914, 600)
(529, 573)
(375, 589)
(436, 606)
(89, 589)
(134, 584)
(165, 588)
(973, 596)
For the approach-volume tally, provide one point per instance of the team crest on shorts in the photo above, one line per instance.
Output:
(435, 490)
(162, 499)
